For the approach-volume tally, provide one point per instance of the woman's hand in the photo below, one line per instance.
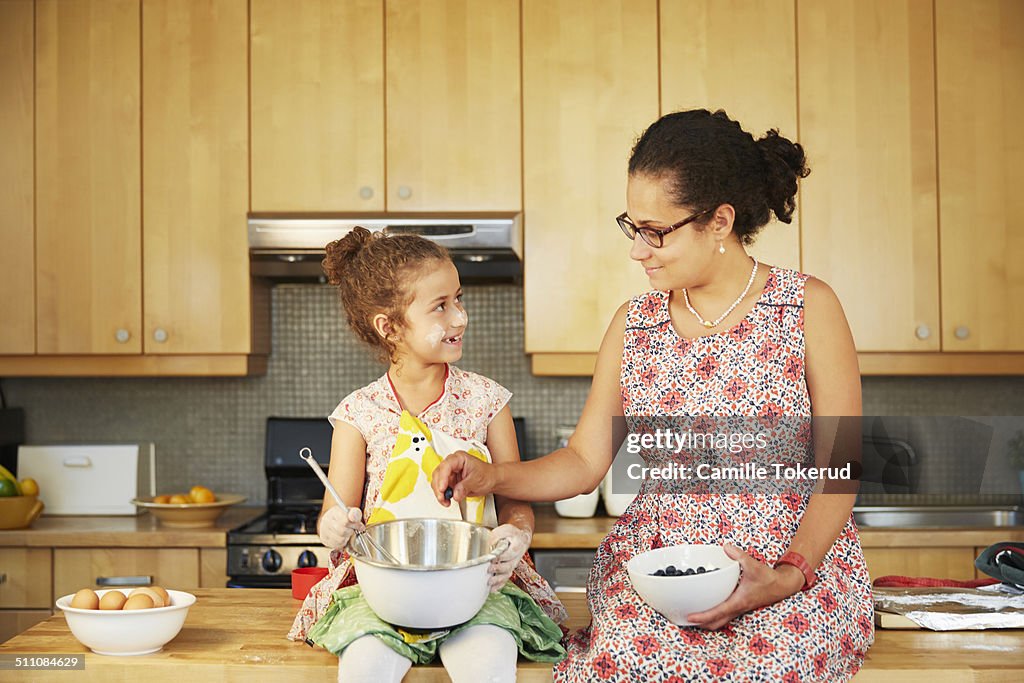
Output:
(502, 566)
(465, 475)
(337, 528)
(759, 585)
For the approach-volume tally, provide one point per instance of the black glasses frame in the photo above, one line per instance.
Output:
(653, 236)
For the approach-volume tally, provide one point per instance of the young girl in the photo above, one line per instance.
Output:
(402, 297)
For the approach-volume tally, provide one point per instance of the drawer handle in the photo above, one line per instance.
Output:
(124, 580)
(83, 461)
(3, 578)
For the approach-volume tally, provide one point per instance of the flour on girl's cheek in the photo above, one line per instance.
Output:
(435, 335)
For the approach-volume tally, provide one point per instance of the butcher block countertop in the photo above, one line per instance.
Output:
(239, 634)
(142, 531)
(552, 531)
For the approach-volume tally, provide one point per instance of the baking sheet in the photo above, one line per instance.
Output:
(955, 609)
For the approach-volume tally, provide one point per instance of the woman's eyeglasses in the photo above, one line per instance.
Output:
(653, 236)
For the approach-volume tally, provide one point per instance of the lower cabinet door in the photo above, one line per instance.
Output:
(99, 568)
(939, 563)
(14, 621)
(576, 605)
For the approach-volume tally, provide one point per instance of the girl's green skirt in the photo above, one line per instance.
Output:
(350, 617)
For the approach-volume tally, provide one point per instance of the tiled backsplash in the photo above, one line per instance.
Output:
(210, 431)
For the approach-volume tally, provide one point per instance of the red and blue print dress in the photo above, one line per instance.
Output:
(755, 368)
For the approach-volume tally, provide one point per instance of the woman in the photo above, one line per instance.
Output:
(718, 335)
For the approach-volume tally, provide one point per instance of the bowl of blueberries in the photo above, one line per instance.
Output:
(679, 580)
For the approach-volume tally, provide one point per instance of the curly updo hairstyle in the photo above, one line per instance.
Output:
(709, 160)
(374, 273)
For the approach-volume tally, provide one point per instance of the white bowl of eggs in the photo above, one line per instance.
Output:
(126, 621)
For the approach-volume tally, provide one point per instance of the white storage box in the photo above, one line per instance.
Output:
(97, 479)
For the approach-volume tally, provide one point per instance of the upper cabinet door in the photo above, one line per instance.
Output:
(980, 71)
(869, 207)
(88, 260)
(453, 105)
(715, 55)
(17, 228)
(195, 176)
(317, 105)
(590, 87)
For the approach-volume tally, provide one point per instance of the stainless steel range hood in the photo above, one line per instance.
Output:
(484, 248)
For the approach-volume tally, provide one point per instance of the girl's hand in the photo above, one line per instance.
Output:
(465, 475)
(759, 585)
(501, 567)
(336, 529)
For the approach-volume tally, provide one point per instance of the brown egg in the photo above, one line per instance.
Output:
(86, 599)
(162, 593)
(112, 600)
(139, 601)
(158, 600)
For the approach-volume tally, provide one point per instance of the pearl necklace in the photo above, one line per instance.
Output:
(709, 324)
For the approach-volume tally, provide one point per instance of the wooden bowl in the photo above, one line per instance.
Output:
(17, 512)
(189, 515)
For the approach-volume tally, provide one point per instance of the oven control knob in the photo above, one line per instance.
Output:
(307, 559)
(271, 561)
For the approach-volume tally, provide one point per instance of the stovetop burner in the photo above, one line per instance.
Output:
(283, 522)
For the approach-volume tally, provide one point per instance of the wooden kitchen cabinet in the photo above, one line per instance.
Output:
(453, 105)
(195, 169)
(77, 568)
(452, 119)
(980, 73)
(590, 87)
(17, 191)
(714, 56)
(940, 563)
(26, 576)
(88, 184)
(317, 108)
(869, 208)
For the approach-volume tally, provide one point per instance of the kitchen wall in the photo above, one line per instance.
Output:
(210, 431)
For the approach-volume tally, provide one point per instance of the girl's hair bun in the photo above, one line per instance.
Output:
(341, 253)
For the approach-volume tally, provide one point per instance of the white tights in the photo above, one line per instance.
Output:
(478, 654)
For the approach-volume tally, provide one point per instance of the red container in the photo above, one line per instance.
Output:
(304, 578)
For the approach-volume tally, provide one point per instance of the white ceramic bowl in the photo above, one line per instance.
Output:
(677, 596)
(131, 632)
(583, 505)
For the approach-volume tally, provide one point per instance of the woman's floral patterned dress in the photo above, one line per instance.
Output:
(754, 369)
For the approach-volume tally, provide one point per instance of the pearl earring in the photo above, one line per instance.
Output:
(721, 248)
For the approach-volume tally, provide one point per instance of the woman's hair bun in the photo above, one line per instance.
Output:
(340, 253)
(785, 163)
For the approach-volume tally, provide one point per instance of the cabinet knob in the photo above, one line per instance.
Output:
(922, 332)
(122, 336)
(160, 335)
(962, 332)
(366, 192)
(404, 192)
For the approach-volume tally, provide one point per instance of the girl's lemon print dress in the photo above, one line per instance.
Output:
(402, 452)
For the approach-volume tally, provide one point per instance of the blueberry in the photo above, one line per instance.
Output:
(660, 572)
(671, 569)
(701, 570)
(689, 572)
(448, 493)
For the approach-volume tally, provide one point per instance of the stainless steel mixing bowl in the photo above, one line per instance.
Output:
(441, 580)
(426, 544)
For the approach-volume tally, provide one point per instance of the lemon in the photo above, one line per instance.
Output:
(29, 487)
